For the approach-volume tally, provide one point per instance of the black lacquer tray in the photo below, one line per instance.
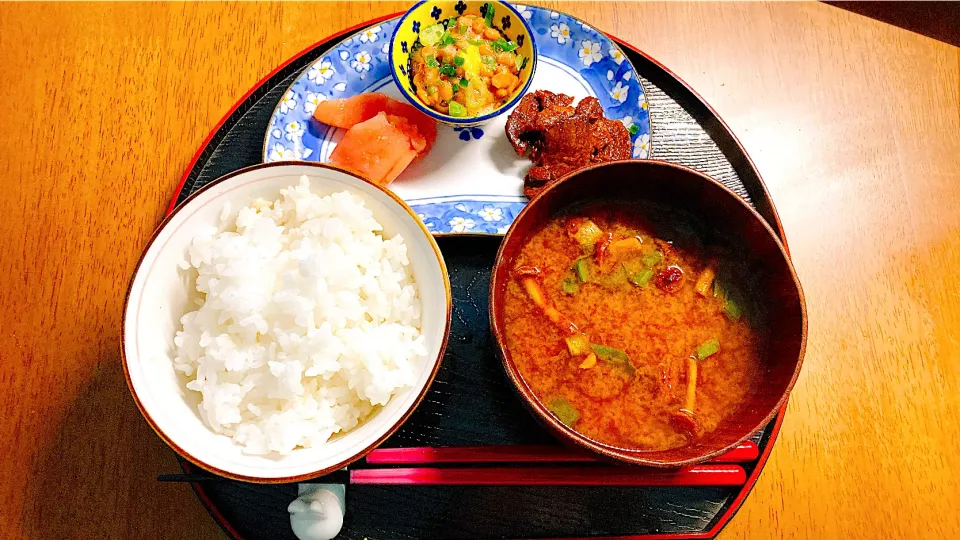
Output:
(471, 402)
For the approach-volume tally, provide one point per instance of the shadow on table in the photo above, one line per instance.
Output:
(937, 20)
(98, 477)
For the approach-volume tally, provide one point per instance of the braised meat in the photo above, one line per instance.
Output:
(534, 114)
(560, 138)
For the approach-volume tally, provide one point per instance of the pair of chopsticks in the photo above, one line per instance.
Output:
(745, 452)
(723, 471)
(699, 475)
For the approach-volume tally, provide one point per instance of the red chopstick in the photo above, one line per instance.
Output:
(746, 452)
(698, 475)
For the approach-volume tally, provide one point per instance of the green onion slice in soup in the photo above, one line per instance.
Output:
(570, 285)
(563, 410)
(652, 259)
(707, 348)
(578, 345)
(580, 268)
(641, 278)
(614, 357)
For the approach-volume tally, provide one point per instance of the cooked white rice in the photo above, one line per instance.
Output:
(309, 319)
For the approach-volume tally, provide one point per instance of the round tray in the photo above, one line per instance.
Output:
(686, 131)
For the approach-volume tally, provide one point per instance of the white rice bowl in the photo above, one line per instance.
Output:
(309, 319)
(302, 325)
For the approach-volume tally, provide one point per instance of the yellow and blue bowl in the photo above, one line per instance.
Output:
(506, 19)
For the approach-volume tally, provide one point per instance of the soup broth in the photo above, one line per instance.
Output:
(631, 326)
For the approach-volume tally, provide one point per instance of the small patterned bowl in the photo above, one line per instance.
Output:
(506, 19)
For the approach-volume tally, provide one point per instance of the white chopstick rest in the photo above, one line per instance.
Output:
(317, 514)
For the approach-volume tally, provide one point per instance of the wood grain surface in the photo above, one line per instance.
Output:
(854, 124)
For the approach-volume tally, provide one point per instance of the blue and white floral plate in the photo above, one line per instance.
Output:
(472, 180)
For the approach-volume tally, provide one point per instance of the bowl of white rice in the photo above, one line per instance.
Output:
(284, 321)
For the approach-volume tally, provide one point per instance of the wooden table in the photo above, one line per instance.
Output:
(854, 124)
